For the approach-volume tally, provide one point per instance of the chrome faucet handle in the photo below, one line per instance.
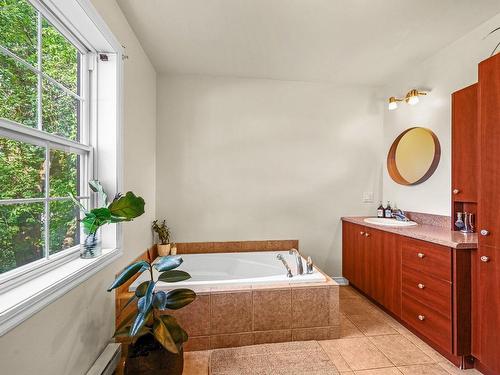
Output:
(288, 270)
(309, 265)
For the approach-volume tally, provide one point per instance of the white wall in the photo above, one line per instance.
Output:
(67, 336)
(449, 70)
(251, 159)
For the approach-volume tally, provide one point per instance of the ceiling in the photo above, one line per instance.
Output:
(343, 41)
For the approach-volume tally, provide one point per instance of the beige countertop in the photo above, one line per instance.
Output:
(430, 233)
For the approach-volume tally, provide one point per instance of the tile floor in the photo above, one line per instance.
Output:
(371, 343)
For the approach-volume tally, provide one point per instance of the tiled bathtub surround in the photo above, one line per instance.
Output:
(257, 314)
(235, 246)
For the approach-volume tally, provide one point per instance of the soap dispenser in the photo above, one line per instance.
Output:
(388, 210)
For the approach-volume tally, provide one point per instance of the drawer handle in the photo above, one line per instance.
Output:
(485, 232)
(421, 317)
(421, 286)
(367, 234)
(361, 233)
(485, 259)
(421, 255)
(456, 191)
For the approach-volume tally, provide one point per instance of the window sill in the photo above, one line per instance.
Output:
(23, 301)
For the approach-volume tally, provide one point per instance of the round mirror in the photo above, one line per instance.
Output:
(413, 156)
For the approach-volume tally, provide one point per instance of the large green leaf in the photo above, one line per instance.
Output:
(140, 291)
(96, 218)
(167, 263)
(96, 187)
(144, 303)
(128, 206)
(178, 334)
(128, 272)
(179, 298)
(164, 337)
(139, 322)
(174, 276)
(160, 300)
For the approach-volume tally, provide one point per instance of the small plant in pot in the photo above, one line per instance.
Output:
(157, 338)
(123, 208)
(163, 233)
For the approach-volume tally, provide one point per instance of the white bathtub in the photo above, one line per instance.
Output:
(212, 270)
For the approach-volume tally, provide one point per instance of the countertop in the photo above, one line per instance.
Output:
(430, 233)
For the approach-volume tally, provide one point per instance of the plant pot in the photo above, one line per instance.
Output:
(163, 250)
(148, 357)
(91, 246)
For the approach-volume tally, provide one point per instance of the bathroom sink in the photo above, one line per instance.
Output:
(389, 222)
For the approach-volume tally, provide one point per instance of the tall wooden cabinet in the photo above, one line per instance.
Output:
(486, 261)
(465, 160)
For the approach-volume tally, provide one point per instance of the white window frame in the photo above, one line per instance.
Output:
(36, 136)
(29, 292)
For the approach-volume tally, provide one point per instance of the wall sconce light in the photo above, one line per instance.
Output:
(411, 98)
(393, 103)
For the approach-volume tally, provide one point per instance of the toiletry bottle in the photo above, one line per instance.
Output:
(459, 223)
(380, 210)
(388, 210)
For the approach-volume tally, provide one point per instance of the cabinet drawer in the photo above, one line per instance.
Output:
(426, 257)
(428, 322)
(430, 291)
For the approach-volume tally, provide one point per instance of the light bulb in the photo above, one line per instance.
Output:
(392, 106)
(412, 100)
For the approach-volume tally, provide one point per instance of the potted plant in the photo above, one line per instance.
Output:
(123, 208)
(163, 232)
(157, 338)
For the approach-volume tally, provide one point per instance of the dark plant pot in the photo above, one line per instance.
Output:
(148, 357)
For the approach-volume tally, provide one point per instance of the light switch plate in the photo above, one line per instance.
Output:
(368, 197)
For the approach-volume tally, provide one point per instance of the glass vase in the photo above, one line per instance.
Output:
(91, 246)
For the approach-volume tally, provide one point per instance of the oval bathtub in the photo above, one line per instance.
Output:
(217, 269)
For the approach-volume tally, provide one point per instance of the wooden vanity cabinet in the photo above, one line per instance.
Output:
(425, 285)
(371, 261)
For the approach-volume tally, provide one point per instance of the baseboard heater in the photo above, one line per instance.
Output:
(108, 360)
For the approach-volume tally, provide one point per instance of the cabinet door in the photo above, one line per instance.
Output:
(391, 273)
(464, 130)
(349, 237)
(486, 302)
(489, 125)
(373, 263)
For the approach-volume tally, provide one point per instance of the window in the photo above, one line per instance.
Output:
(45, 150)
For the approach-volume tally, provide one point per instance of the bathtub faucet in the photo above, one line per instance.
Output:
(288, 270)
(298, 258)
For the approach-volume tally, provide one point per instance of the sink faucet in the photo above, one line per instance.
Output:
(298, 258)
(399, 215)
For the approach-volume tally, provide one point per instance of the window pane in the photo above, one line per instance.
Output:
(64, 226)
(60, 112)
(64, 173)
(60, 59)
(21, 235)
(18, 29)
(18, 92)
(22, 170)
